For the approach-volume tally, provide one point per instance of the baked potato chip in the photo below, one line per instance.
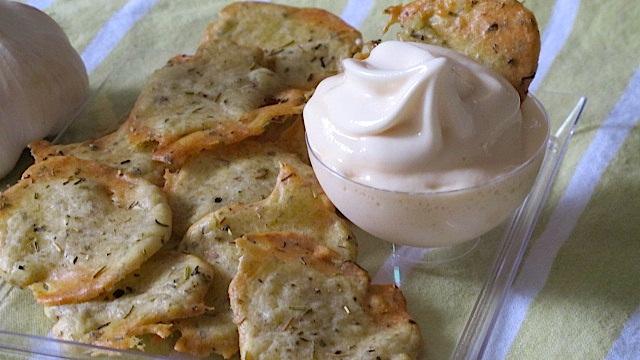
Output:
(240, 173)
(245, 75)
(288, 135)
(500, 34)
(296, 204)
(210, 333)
(294, 299)
(169, 286)
(113, 150)
(70, 229)
(221, 95)
(305, 45)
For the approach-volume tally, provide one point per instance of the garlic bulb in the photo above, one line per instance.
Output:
(43, 81)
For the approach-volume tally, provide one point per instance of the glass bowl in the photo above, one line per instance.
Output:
(438, 218)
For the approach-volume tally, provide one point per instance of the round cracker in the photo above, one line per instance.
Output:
(241, 173)
(305, 45)
(114, 150)
(221, 95)
(71, 228)
(297, 204)
(294, 299)
(169, 286)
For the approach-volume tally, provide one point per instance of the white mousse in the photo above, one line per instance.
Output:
(420, 145)
(414, 117)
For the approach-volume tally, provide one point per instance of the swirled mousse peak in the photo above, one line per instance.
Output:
(416, 118)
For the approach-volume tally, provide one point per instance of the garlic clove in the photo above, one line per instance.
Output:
(43, 81)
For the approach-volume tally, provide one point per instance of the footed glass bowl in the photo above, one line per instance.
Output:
(439, 218)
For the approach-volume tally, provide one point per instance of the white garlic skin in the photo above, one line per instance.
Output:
(43, 81)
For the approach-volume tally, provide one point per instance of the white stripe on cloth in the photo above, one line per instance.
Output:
(356, 12)
(553, 40)
(555, 36)
(537, 265)
(627, 345)
(40, 4)
(113, 31)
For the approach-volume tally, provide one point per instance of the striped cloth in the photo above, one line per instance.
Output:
(577, 295)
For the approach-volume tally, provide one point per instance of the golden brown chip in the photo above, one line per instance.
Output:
(113, 150)
(169, 286)
(221, 95)
(245, 75)
(70, 228)
(296, 204)
(240, 173)
(215, 333)
(305, 45)
(500, 34)
(294, 299)
(289, 135)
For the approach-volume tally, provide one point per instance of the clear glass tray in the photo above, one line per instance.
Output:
(472, 287)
